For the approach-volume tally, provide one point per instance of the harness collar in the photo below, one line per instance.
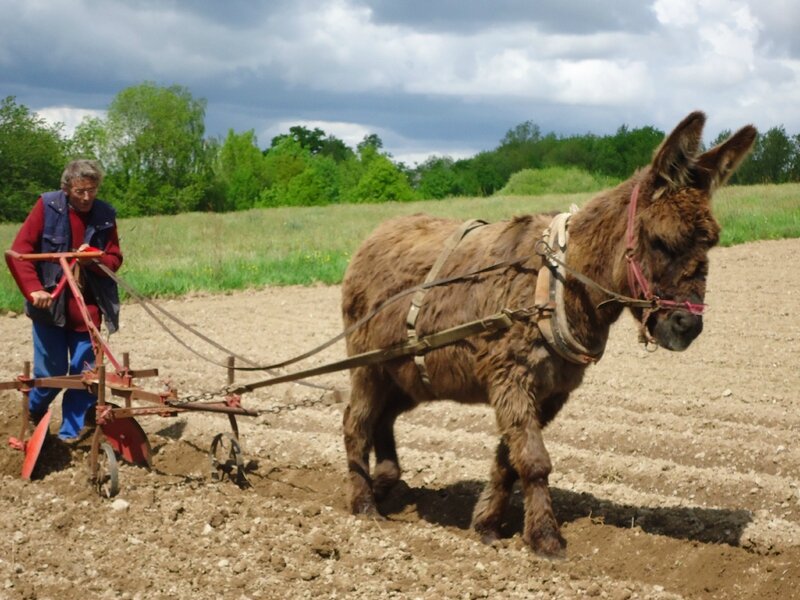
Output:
(549, 297)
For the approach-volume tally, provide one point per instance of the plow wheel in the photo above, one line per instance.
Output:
(226, 460)
(107, 479)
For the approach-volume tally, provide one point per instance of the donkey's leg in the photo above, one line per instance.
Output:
(387, 465)
(365, 406)
(387, 470)
(529, 457)
(491, 505)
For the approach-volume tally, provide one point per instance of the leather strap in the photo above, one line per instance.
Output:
(419, 297)
(501, 320)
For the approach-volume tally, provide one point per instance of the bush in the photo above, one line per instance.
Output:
(554, 180)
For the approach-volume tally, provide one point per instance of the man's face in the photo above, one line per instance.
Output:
(82, 193)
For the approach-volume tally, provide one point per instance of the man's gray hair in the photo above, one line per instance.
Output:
(83, 168)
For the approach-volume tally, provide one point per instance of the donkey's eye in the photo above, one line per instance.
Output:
(661, 246)
(701, 270)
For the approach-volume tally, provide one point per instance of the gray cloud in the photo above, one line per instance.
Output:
(437, 77)
(555, 16)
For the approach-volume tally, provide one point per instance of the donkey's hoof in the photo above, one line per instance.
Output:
(488, 535)
(382, 487)
(367, 509)
(385, 476)
(549, 545)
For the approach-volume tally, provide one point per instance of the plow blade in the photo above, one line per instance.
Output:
(129, 440)
(33, 446)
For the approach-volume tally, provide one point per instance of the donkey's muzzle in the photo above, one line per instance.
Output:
(676, 329)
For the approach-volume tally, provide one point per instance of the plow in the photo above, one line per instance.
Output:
(117, 434)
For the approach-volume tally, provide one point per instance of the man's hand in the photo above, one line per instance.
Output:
(41, 299)
(84, 248)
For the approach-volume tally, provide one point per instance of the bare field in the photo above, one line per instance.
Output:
(675, 474)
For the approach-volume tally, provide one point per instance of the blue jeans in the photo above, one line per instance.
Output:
(56, 352)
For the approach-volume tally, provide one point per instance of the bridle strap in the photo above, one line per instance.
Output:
(637, 282)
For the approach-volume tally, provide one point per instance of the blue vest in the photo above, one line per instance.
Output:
(57, 237)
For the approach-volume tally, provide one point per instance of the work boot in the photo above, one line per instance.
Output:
(89, 425)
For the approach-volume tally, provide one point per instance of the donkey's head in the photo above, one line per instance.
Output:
(671, 229)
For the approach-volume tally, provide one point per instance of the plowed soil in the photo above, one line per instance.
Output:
(675, 474)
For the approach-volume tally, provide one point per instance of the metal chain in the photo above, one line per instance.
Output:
(279, 408)
(273, 410)
(201, 397)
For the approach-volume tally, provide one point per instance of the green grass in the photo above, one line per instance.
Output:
(758, 212)
(176, 255)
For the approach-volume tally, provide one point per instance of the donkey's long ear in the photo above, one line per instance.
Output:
(675, 158)
(718, 164)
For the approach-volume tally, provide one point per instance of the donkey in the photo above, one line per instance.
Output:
(642, 244)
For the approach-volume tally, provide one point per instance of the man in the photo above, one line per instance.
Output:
(70, 219)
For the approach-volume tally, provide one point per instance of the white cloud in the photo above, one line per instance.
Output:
(603, 82)
(412, 157)
(722, 50)
(350, 133)
(678, 13)
(70, 117)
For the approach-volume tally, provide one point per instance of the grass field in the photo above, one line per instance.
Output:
(175, 255)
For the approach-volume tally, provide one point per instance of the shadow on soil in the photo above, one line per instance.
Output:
(452, 506)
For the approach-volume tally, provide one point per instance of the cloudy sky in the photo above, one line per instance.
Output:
(445, 77)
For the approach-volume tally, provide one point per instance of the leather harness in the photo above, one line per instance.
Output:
(419, 296)
(550, 315)
(549, 296)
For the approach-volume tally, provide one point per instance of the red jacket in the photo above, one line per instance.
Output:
(24, 272)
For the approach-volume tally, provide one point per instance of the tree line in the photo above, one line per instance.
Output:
(158, 160)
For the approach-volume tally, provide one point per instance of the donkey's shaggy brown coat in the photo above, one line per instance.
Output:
(514, 370)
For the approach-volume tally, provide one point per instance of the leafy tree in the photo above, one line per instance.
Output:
(309, 139)
(518, 149)
(624, 152)
(370, 145)
(771, 160)
(794, 163)
(336, 149)
(524, 133)
(721, 137)
(90, 138)
(577, 151)
(775, 155)
(349, 173)
(490, 171)
(437, 178)
(32, 157)
(382, 181)
(241, 169)
(317, 185)
(283, 162)
(152, 146)
(316, 141)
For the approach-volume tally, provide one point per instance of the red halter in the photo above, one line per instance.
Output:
(639, 286)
